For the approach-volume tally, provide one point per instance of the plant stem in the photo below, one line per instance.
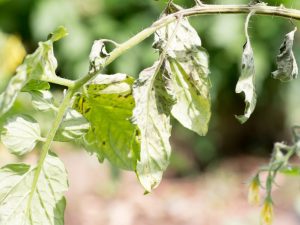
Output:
(59, 80)
(60, 114)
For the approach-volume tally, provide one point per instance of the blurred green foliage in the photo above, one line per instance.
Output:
(222, 36)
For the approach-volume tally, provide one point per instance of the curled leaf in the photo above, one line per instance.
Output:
(246, 82)
(98, 56)
(152, 116)
(287, 68)
(20, 134)
(107, 103)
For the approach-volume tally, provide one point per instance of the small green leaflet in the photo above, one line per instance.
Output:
(48, 203)
(37, 65)
(20, 134)
(246, 82)
(152, 116)
(287, 68)
(291, 170)
(107, 103)
(73, 126)
(187, 65)
(36, 85)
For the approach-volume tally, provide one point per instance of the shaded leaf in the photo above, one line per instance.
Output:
(20, 134)
(246, 82)
(43, 100)
(152, 116)
(107, 104)
(187, 67)
(36, 85)
(48, 203)
(41, 63)
(287, 68)
(73, 126)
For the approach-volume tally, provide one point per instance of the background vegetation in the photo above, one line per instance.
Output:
(25, 22)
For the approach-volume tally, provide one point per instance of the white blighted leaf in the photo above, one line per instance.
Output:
(73, 126)
(287, 68)
(20, 134)
(187, 69)
(152, 116)
(98, 56)
(246, 82)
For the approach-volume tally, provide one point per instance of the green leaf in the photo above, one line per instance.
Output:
(246, 82)
(73, 126)
(291, 170)
(152, 116)
(187, 65)
(36, 85)
(48, 203)
(58, 34)
(41, 63)
(287, 68)
(43, 100)
(20, 134)
(107, 103)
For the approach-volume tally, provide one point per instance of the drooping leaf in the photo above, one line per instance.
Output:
(36, 85)
(187, 65)
(20, 134)
(246, 82)
(48, 203)
(107, 104)
(41, 63)
(43, 100)
(73, 126)
(152, 116)
(287, 68)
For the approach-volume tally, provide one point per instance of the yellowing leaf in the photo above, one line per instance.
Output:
(107, 103)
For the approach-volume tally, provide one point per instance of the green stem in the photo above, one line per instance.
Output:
(61, 112)
(59, 80)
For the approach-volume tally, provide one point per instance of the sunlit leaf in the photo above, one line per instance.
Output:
(107, 104)
(152, 116)
(20, 134)
(42, 100)
(187, 65)
(48, 203)
(73, 126)
(287, 68)
(246, 82)
(41, 63)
